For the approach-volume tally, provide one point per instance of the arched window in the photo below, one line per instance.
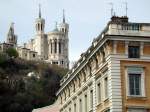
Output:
(41, 27)
(59, 47)
(51, 47)
(38, 26)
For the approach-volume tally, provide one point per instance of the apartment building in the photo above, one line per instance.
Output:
(113, 75)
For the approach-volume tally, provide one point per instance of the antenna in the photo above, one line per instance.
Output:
(126, 8)
(112, 8)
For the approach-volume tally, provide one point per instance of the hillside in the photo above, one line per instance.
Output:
(25, 85)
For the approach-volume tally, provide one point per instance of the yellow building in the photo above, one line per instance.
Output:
(113, 75)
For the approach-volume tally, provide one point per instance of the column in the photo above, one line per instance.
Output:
(58, 46)
(88, 99)
(94, 94)
(78, 104)
(50, 42)
(53, 46)
(126, 47)
(141, 48)
(114, 47)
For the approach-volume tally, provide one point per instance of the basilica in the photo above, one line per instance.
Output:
(51, 47)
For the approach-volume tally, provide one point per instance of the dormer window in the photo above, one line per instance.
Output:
(133, 51)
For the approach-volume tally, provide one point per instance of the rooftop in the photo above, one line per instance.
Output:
(117, 26)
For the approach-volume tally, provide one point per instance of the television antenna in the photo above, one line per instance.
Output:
(112, 8)
(126, 8)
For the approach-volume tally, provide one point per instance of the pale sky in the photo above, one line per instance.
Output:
(87, 18)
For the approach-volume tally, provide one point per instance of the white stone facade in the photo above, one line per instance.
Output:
(51, 47)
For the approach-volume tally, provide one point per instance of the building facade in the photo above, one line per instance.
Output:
(113, 74)
(51, 47)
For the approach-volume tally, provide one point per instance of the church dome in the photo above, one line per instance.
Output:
(55, 31)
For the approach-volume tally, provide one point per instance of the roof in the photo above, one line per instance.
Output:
(55, 30)
(52, 108)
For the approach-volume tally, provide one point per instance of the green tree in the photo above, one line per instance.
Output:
(2, 58)
(12, 52)
(22, 93)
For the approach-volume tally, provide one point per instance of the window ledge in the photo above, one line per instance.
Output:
(91, 110)
(134, 58)
(136, 97)
(99, 104)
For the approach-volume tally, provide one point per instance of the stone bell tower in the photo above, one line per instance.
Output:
(41, 38)
(11, 37)
(64, 27)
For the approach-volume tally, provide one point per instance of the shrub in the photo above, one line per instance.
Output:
(12, 52)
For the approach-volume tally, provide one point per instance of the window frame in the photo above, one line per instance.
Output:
(140, 70)
(106, 88)
(80, 105)
(135, 89)
(75, 107)
(85, 102)
(99, 93)
(91, 99)
(131, 54)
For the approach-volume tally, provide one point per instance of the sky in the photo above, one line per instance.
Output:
(86, 18)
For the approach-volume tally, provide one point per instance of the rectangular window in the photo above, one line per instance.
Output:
(55, 47)
(69, 109)
(33, 55)
(106, 87)
(91, 99)
(85, 103)
(60, 100)
(135, 84)
(59, 48)
(75, 107)
(133, 51)
(55, 62)
(99, 92)
(51, 48)
(80, 103)
(135, 81)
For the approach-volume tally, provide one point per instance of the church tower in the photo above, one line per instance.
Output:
(41, 38)
(11, 37)
(64, 27)
(40, 23)
(58, 44)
